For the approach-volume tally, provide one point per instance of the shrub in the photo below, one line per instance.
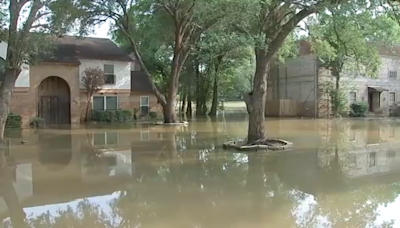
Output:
(37, 122)
(112, 116)
(135, 111)
(359, 109)
(153, 115)
(14, 121)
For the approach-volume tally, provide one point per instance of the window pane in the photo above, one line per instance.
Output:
(112, 138)
(144, 101)
(108, 69)
(111, 103)
(98, 103)
(109, 79)
(352, 97)
(99, 139)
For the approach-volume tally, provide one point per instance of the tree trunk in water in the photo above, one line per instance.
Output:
(169, 110)
(255, 100)
(184, 96)
(6, 89)
(189, 110)
(17, 214)
(214, 106)
(198, 92)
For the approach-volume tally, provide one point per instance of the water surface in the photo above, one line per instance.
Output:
(340, 174)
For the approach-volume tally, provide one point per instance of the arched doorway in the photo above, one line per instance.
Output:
(54, 104)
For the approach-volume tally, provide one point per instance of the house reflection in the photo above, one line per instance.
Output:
(57, 166)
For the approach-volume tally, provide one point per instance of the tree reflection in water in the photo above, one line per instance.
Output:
(184, 180)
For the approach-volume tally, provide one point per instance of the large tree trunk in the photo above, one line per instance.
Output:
(255, 100)
(7, 191)
(6, 89)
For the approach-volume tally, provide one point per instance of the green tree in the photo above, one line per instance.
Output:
(39, 19)
(181, 23)
(347, 47)
(268, 23)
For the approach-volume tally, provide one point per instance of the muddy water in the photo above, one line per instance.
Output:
(340, 174)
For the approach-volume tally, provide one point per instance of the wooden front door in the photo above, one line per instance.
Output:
(54, 101)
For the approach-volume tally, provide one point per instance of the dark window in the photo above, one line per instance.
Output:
(372, 159)
(109, 76)
(393, 74)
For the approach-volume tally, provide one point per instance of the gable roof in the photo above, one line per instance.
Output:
(69, 49)
(140, 82)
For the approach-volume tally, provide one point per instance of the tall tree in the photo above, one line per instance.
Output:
(348, 48)
(268, 23)
(43, 17)
(184, 20)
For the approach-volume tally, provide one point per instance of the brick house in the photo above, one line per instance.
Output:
(301, 80)
(52, 88)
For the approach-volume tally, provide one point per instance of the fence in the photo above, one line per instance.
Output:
(283, 108)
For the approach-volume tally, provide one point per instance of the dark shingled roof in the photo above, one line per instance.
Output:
(140, 82)
(69, 49)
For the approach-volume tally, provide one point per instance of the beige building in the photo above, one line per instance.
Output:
(295, 88)
(53, 89)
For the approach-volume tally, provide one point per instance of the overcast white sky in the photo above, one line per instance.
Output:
(101, 31)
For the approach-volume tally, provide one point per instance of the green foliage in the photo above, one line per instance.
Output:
(153, 115)
(37, 122)
(346, 46)
(359, 109)
(14, 121)
(338, 99)
(112, 116)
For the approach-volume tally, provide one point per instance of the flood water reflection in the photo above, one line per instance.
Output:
(340, 174)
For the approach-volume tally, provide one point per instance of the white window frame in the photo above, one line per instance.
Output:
(104, 100)
(113, 74)
(148, 101)
(105, 138)
(350, 97)
(394, 98)
(392, 72)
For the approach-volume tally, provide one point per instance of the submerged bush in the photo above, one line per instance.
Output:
(37, 122)
(153, 115)
(112, 116)
(359, 109)
(14, 121)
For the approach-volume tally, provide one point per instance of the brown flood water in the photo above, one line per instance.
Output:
(340, 174)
